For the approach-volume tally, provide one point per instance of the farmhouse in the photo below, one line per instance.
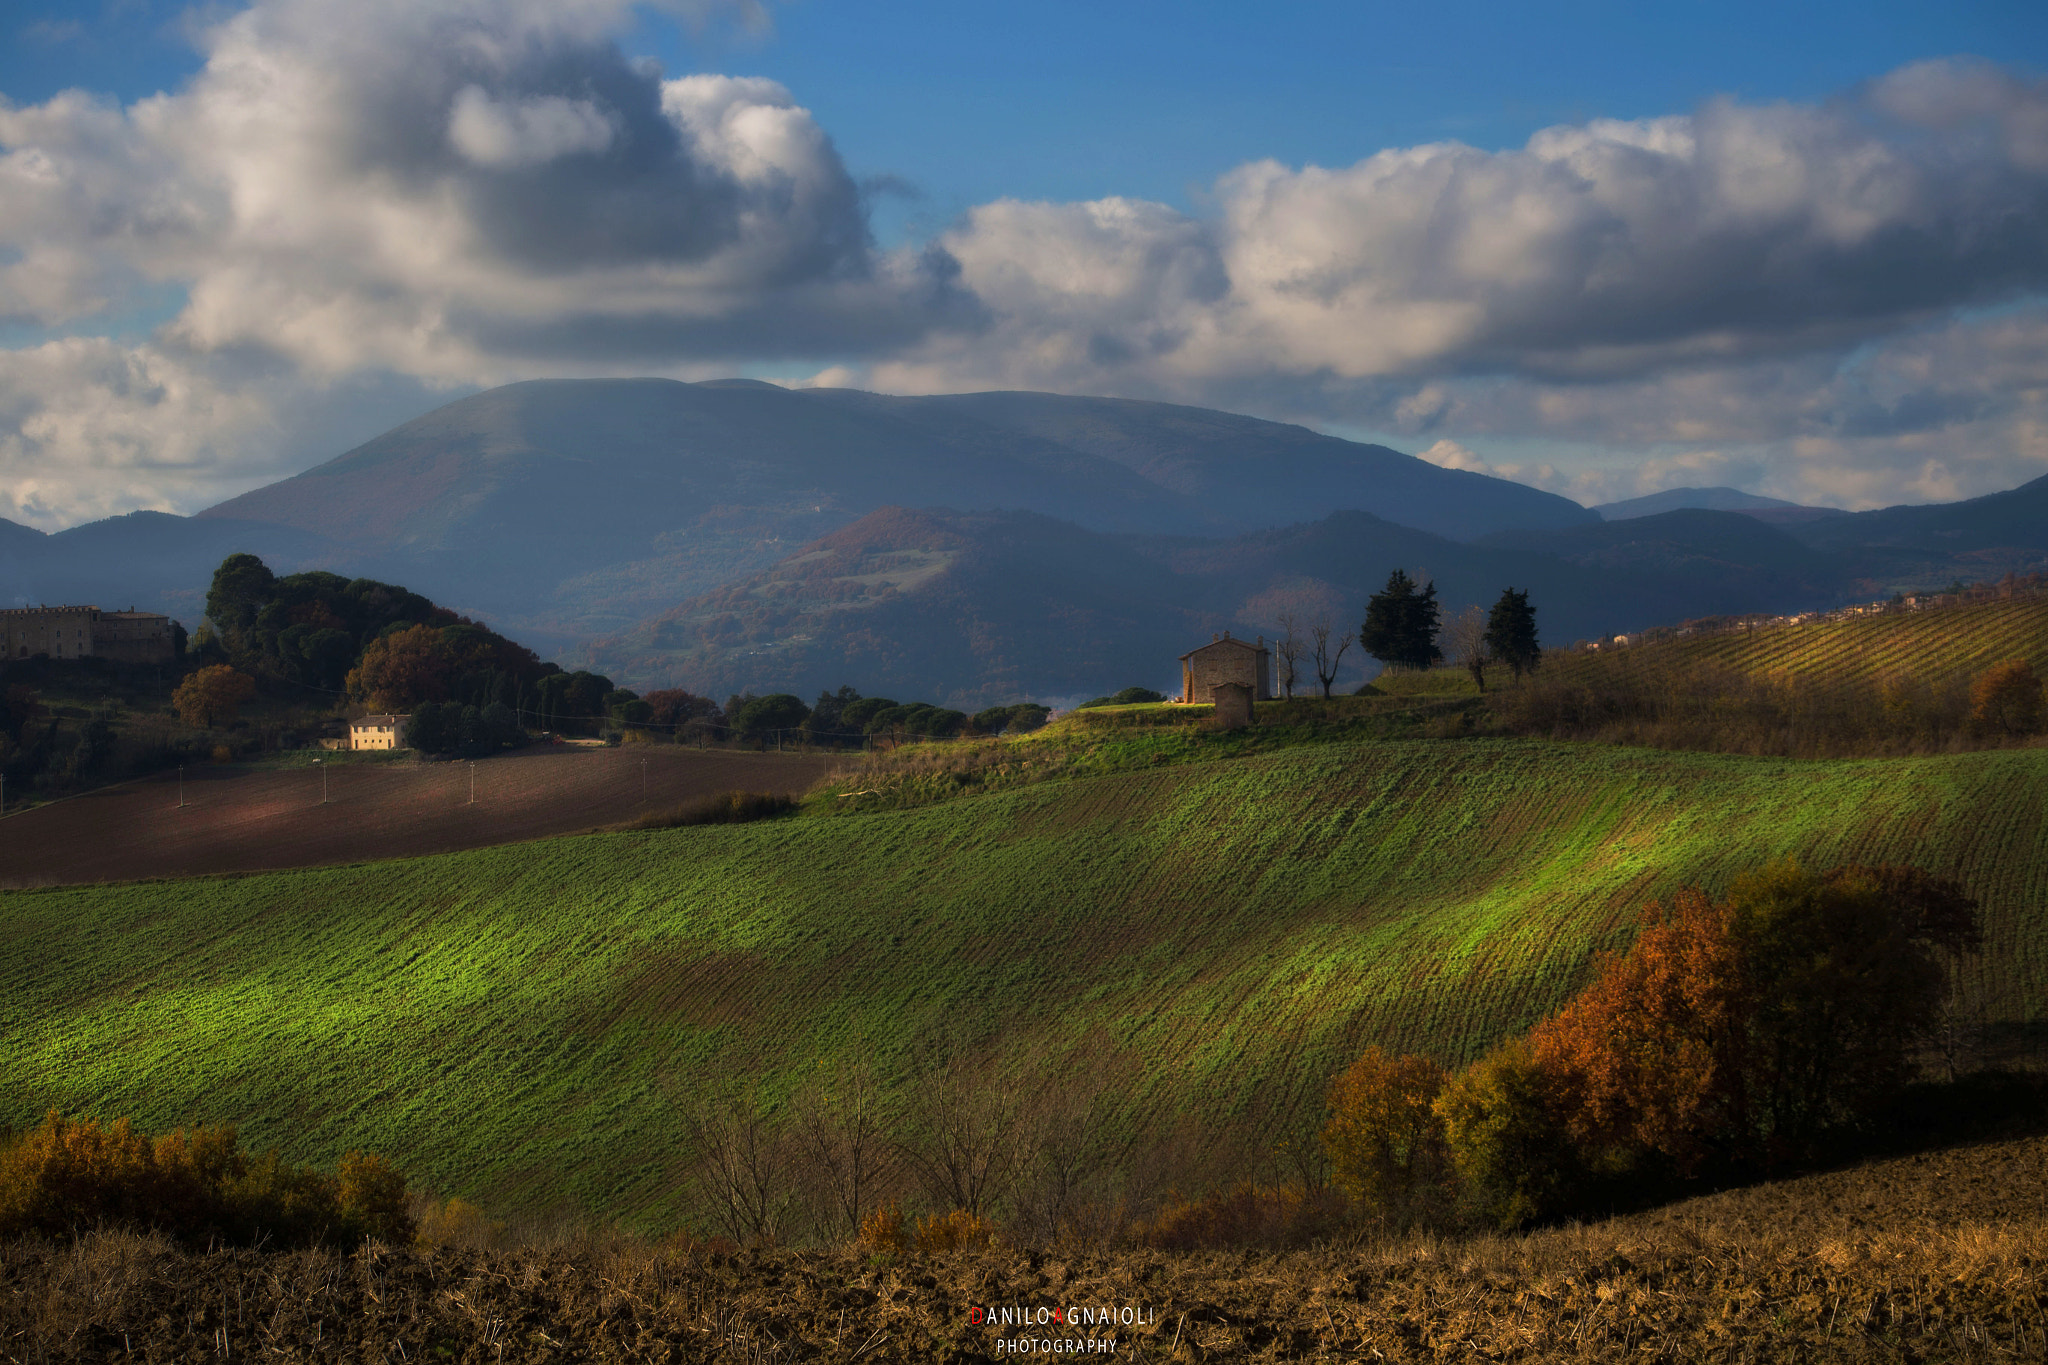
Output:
(1224, 660)
(377, 732)
(136, 637)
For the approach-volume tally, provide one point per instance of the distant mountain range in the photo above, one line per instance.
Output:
(973, 547)
(1773, 511)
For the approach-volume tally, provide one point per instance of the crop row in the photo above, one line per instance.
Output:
(1199, 946)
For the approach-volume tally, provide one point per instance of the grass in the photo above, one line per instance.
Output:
(1205, 940)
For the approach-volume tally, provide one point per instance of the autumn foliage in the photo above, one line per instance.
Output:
(66, 1176)
(1384, 1137)
(213, 696)
(1742, 1032)
(2007, 698)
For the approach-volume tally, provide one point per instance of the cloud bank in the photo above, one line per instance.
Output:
(1838, 301)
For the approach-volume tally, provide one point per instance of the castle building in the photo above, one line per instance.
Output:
(1224, 660)
(79, 632)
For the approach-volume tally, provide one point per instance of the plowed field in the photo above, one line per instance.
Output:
(248, 820)
(1205, 943)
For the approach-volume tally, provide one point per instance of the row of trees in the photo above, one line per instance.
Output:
(1403, 623)
(1735, 1034)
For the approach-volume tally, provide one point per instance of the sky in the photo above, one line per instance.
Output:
(1601, 248)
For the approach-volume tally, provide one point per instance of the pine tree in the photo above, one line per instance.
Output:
(1401, 623)
(1511, 633)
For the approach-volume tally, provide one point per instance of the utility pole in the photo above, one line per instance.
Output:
(181, 786)
(643, 781)
(321, 764)
(472, 784)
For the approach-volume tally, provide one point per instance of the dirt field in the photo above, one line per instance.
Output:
(1942, 1256)
(243, 820)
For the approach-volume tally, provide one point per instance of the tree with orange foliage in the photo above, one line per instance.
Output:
(2007, 697)
(213, 696)
(403, 669)
(1651, 1055)
(1384, 1139)
(1748, 1028)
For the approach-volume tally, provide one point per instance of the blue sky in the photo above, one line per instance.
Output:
(944, 175)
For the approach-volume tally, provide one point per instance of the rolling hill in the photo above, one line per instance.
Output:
(979, 608)
(1197, 946)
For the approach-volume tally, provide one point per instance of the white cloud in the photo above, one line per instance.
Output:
(462, 192)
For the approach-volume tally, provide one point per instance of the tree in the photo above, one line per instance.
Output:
(1467, 638)
(1751, 1026)
(1289, 649)
(1848, 980)
(403, 670)
(1515, 1161)
(1384, 1138)
(2007, 697)
(242, 585)
(1326, 662)
(763, 718)
(213, 696)
(1511, 633)
(1652, 1055)
(841, 1132)
(1401, 623)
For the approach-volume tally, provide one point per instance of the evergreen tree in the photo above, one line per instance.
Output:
(1401, 623)
(1511, 633)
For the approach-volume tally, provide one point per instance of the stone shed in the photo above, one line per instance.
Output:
(1226, 660)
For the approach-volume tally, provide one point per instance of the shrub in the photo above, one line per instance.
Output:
(68, 1175)
(724, 808)
(959, 1230)
(457, 1223)
(1246, 1215)
(883, 1232)
(1130, 696)
(1384, 1139)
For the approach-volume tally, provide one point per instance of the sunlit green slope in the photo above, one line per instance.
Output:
(1214, 938)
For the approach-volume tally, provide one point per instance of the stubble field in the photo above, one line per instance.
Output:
(247, 819)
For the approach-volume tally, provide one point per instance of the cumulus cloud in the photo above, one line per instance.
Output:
(1832, 298)
(454, 190)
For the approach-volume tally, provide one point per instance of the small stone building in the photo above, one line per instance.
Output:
(1225, 660)
(81, 632)
(1233, 706)
(377, 732)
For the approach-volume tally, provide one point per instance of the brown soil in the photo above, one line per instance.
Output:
(1941, 1257)
(243, 820)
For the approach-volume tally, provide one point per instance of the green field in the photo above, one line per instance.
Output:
(1211, 938)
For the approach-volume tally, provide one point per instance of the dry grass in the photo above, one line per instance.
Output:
(1937, 1257)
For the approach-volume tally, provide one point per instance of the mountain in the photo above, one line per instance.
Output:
(1771, 511)
(972, 609)
(151, 560)
(567, 508)
(1900, 548)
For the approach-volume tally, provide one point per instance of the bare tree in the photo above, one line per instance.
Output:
(967, 1141)
(1326, 662)
(743, 1179)
(841, 1131)
(1467, 639)
(1289, 648)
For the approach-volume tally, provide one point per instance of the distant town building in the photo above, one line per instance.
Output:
(136, 637)
(377, 732)
(1224, 660)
